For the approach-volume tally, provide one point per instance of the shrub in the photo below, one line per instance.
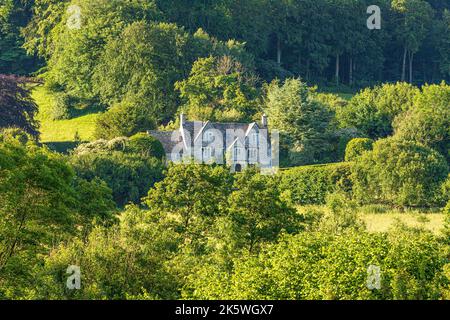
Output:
(373, 110)
(315, 265)
(61, 109)
(428, 122)
(129, 176)
(399, 173)
(140, 144)
(356, 148)
(311, 184)
(124, 119)
(342, 137)
(146, 145)
(340, 216)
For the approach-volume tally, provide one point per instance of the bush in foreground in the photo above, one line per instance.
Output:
(311, 184)
(399, 173)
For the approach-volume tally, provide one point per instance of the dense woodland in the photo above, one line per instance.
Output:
(141, 228)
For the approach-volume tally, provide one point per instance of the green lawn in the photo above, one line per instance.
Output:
(61, 132)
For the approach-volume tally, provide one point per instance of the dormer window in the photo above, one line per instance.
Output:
(209, 136)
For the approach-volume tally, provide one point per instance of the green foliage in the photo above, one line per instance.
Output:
(399, 173)
(41, 32)
(75, 53)
(428, 122)
(206, 233)
(14, 15)
(117, 263)
(257, 212)
(341, 216)
(192, 195)
(219, 89)
(124, 119)
(41, 203)
(62, 108)
(372, 111)
(17, 108)
(128, 166)
(446, 210)
(357, 147)
(414, 21)
(302, 121)
(318, 266)
(444, 46)
(144, 144)
(311, 184)
(163, 54)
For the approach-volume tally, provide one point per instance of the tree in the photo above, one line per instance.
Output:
(192, 195)
(75, 52)
(219, 89)
(128, 169)
(399, 173)
(302, 121)
(124, 261)
(346, 34)
(124, 119)
(42, 31)
(372, 111)
(428, 122)
(14, 15)
(41, 203)
(444, 47)
(315, 265)
(257, 212)
(162, 53)
(413, 21)
(356, 147)
(17, 108)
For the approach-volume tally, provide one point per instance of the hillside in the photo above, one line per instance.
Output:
(61, 132)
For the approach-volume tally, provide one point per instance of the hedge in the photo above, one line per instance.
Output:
(311, 184)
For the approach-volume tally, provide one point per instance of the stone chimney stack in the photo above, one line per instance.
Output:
(264, 122)
(182, 119)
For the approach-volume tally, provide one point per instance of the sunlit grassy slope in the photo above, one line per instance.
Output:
(61, 131)
(381, 219)
(382, 222)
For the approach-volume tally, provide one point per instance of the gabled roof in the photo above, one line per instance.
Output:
(236, 141)
(169, 139)
(196, 128)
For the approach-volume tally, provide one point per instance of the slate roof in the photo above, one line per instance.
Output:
(195, 127)
(169, 139)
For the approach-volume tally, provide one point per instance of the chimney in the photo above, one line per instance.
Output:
(264, 121)
(182, 119)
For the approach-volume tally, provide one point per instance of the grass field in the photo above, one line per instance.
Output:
(383, 222)
(61, 132)
(376, 221)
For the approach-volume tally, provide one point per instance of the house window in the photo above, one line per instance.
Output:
(254, 139)
(209, 136)
(253, 153)
(207, 152)
(237, 153)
